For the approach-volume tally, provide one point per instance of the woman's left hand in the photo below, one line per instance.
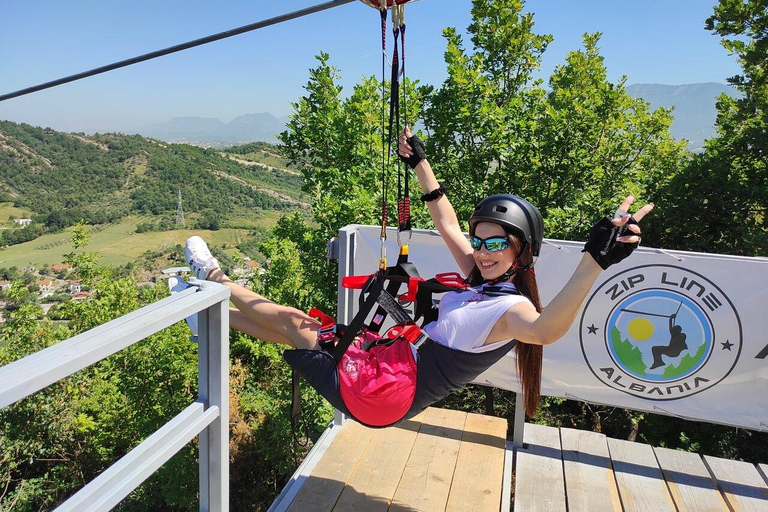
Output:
(614, 238)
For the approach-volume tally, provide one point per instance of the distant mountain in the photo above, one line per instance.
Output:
(189, 126)
(694, 107)
(262, 127)
(694, 113)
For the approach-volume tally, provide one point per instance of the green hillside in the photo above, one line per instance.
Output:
(63, 178)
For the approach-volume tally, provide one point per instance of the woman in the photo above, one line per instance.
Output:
(474, 329)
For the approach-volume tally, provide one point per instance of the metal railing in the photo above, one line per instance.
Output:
(207, 417)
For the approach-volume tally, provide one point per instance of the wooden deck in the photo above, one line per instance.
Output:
(575, 470)
(447, 460)
(441, 460)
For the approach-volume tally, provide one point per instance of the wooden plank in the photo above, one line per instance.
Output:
(639, 479)
(326, 482)
(690, 484)
(541, 438)
(539, 481)
(589, 482)
(374, 481)
(480, 466)
(741, 483)
(427, 478)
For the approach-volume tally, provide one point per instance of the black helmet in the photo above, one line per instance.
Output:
(513, 213)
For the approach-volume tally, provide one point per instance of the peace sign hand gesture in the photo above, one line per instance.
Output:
(614, 238)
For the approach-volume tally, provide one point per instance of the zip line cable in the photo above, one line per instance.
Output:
(644, 313)
(653, 314)
(179, 47)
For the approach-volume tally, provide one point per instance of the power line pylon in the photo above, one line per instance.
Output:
(180, 213)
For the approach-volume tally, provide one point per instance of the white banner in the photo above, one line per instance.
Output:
(669, 332)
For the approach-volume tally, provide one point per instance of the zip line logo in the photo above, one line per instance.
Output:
(660, 332)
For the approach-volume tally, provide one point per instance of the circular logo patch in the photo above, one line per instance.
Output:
(660, 332)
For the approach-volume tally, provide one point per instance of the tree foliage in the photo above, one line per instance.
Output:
(722, 196)
(337, 144)
(573, 150)
(55, 441)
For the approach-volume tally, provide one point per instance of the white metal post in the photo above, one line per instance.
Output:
(517, 437)
(213, 366)
(345, 303)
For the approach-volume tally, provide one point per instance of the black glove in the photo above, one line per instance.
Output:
(602, 244)
(419, 154)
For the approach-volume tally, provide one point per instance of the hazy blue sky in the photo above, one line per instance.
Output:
(649, 41)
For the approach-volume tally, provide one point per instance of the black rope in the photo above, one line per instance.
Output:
(178, 48)
(405, 220)
(394, 119)
(394, 108)
(383, 234)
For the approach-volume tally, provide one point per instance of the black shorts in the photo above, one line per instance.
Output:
(320, 371)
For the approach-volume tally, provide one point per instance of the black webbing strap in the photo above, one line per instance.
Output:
(296, 416)
(389, 304)
(396, 275)
(373, 286)
(376, 294)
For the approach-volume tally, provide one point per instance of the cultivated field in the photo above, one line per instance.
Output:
(7, 210)
(118, 244)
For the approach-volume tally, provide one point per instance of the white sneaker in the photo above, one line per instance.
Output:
(176, 284)
(199, 257)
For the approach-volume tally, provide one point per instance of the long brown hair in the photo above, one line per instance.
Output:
(529, 356)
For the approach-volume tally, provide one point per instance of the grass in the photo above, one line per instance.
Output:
(118, 244)
(264, 156)
(264, 219)
(7, 210)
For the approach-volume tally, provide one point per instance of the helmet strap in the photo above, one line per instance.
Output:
(513, 269)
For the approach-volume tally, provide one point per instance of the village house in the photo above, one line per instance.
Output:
(45, 285)
(60, 268)
(74, 287)
(249, 266)
(23, 222)
(79, 296)
(5, 285)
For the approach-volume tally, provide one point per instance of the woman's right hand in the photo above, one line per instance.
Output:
(410, 148)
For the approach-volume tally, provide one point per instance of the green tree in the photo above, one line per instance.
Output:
(84, 263)
(57, 440)
(719, 201)
(573, 150)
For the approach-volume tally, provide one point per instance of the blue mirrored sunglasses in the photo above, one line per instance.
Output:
(493, 243)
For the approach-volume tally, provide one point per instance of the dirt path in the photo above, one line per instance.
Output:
(249, 163)
(5, 143)
(282, 197)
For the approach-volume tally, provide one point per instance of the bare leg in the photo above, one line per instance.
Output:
(268, 320)
(240, 322)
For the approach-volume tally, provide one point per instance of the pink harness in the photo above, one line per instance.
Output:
(378, 385)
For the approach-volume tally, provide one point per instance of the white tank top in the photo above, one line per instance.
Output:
(465, 319)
